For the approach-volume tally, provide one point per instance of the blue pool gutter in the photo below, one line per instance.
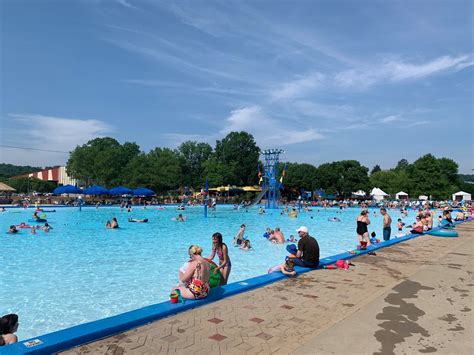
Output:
(85, 333)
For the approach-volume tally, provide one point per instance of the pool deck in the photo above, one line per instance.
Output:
(413, 297)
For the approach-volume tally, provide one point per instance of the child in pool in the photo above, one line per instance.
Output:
(292, 239)
(287, 268)
(400, 225)
(373, 238)
(246, 245)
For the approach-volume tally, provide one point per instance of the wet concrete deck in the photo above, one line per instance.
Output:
(415, 297)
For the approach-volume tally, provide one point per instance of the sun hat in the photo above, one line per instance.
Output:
(302, 229)
(291, 249)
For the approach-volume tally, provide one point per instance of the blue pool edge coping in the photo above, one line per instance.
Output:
(68, 338)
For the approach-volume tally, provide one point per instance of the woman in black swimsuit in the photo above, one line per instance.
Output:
(362, 231)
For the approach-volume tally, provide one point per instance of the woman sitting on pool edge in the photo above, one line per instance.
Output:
(196, 276)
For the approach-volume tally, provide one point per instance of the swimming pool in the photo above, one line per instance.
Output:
(81, 272)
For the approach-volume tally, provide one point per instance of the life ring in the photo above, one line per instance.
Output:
(214, 278)
(444, 233)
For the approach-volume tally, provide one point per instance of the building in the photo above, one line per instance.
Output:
(57, 174)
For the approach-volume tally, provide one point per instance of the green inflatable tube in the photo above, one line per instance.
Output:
(215, 278)
(444, 233)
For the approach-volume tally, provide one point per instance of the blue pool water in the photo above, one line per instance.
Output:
(81, 272)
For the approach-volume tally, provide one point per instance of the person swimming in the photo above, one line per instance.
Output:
(12, 230)
(114, 224)
(138, 220)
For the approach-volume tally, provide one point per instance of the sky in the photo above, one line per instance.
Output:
(325, 80)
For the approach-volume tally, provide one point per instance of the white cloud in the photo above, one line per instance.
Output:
(50, 133)
(402, 71)
(126, 4)
(417, 123)
(297, 87)
(397, 71)
(391, 118)
(267, 131)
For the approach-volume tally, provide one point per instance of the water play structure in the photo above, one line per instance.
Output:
(271, 185)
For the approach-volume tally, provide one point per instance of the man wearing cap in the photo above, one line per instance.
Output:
(308, 249)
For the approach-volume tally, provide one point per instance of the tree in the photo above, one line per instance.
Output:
(449, 170)
(9, 170)
(101, 161)
(299, 176)
(239, 153)
(426, 177)
(216, 172)
(167, 173)
(402, 165)
(25, 185)
(192, 157)
(375, 169)
(391, 181)
(139, 172)
(343, 177)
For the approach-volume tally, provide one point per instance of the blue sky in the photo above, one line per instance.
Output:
(375, 81)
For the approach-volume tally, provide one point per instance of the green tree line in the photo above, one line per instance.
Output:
(234, 160)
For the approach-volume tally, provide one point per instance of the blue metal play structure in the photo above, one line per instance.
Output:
(271, 185)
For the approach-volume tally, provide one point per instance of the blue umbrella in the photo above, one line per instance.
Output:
(120, 190)
(67, 189)
(143, 191)
(96, 190)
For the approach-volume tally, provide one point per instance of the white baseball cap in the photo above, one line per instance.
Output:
(302, 229)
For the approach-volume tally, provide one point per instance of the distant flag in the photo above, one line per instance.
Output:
(283, 173)
(259, 174)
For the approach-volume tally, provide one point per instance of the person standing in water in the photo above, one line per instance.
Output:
(387, 221)
(362, 231)
(220, 248)
(239, 237)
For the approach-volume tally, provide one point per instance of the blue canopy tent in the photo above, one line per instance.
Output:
(120, 190)
(96, 190)
(67, 189)
(143, 191)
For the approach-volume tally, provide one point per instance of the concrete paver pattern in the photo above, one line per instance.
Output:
(412, 297)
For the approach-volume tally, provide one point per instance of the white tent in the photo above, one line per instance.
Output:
(423, 198)
(359, 193)
(461, 195)
(378, 194)
(401, 196)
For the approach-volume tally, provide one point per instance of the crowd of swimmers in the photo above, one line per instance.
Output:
(195, 274)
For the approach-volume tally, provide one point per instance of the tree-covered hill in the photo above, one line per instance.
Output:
(9, 170)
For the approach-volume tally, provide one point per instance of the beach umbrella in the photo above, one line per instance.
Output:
(5, 187)
(143, 191)
(120, 190)
(67, 189)
(96, 190)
